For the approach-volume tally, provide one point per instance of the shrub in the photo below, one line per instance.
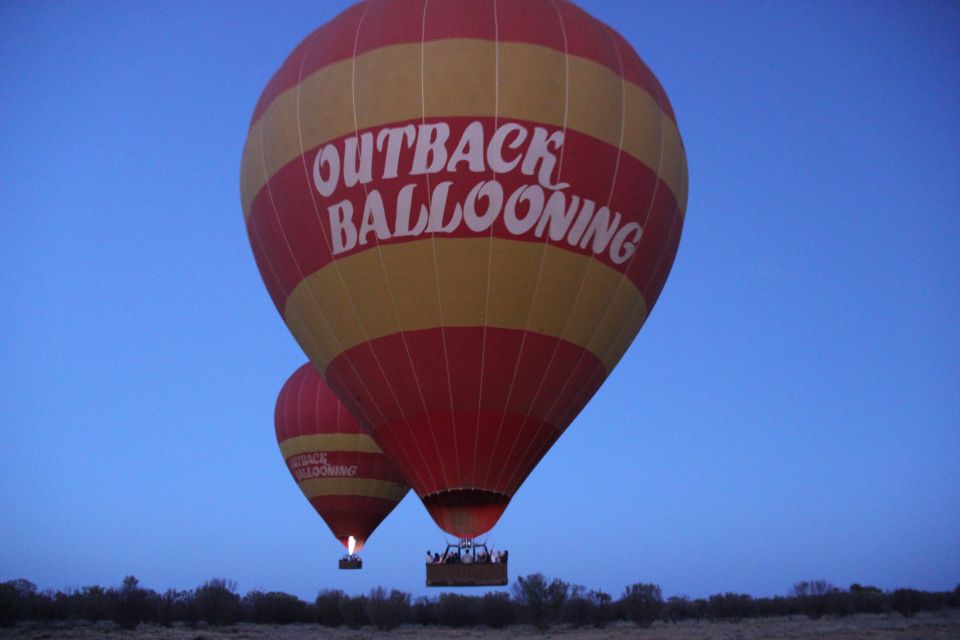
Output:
(840, 603)
(578, 610)
(8, 605)
(94, 603)
(813, 597)
(540, 599)
(328, 607)
(217, 602)
(906, 602)
(422, 611)
(496, 610)
(43, 605)
(18, 601)
(191, 609)
(172, 606)
(731, 606)
(130, 604)
(387, 612)
(353, 611)
(274, 608)
(454, 610)
(679, 608)
(602, 609)
(65, 605)
(866, 599)
(587, 608)
(642, 603)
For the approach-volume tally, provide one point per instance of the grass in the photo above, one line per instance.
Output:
(925, 626)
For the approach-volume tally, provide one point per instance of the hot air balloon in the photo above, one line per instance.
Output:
(341, 471)
(464, 212)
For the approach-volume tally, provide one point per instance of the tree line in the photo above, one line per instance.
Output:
(533, 599)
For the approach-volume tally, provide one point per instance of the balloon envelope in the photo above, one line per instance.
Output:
(346, 477)
(464, 212)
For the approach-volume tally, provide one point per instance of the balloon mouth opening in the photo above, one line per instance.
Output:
(352, 544)
(466, 513)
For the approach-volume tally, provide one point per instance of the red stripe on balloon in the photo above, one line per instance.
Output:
(355, 516)
(651, 292)
(473, 435)
(330, 43)
(275, 287)
(369, 466)
(306, 406)
(290, 197)
(389, 22)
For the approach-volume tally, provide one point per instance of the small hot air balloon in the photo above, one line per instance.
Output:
(464, 212)
(339, 468)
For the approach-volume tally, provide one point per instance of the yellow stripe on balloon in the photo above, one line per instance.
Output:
(592, 316)
(328, 442)
(317, 487)
(460, 79)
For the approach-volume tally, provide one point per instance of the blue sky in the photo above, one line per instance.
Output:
(790, 411)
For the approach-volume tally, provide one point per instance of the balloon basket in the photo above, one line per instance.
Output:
(352, 562)
(467, 564)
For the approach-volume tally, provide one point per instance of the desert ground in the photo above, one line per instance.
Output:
(925, 626)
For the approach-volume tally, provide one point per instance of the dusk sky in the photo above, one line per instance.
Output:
(790, 410)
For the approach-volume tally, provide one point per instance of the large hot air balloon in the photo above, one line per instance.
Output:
(464, 212)
(346, 477)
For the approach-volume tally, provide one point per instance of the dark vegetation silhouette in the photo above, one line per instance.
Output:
(534, 599)
(540, 600)
(218, 602)
(587, 608)
(908, 602)
(497, 610)
(642, 603)
(731, 607)
(327, 607)
(454, 610)
(387, 611)
(131, 604)
(816, 596)
(353, 610)
(274, 608)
